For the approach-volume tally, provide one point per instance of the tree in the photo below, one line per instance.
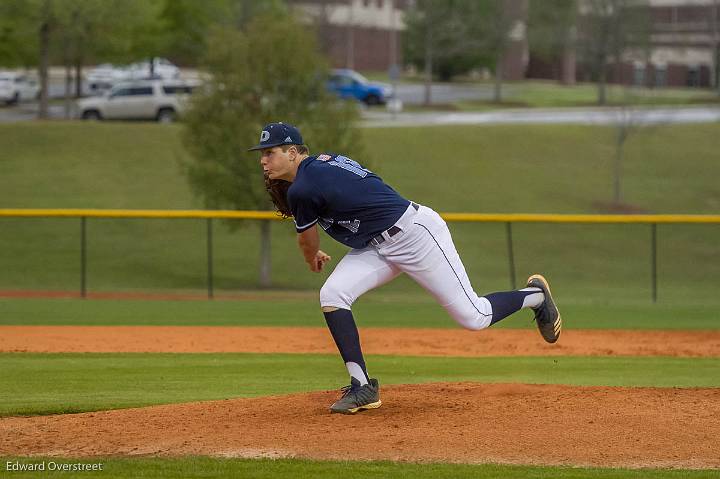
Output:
(442, 39)
(18, 36)
(552, 32)
(269, 72)
(492, 33)
(85, 30)
(610, 29)
(72, 33)
(33, 21)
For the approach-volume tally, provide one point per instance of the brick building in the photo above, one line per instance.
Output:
(366, 34)
(357, 34)
(684, 40)
(682, 50)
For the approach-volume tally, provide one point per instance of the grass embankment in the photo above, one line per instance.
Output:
(509, 168)
(539, 94)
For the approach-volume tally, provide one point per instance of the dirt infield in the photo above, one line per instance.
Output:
(466, 422)
(417, 342)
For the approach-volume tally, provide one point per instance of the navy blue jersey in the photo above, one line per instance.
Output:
(350, 203)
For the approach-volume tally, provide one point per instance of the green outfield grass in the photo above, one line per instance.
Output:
(551, 94)
(204, 467)
(64, 383)
(377, 309)
(509, 168)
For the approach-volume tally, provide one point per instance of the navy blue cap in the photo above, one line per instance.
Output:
(276, 134)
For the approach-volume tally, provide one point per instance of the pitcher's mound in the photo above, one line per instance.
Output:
(462, 422)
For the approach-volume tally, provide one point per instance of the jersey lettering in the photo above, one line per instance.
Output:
(350, 165)
(325, 223)
(353, 225)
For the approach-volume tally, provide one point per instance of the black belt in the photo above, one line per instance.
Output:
(392, 231)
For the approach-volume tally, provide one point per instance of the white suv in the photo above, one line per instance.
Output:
(16, 87)
(139, 100)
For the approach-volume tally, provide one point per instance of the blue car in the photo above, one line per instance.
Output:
(350, 84)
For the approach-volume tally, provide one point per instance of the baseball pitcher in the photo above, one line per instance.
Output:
(389, 235)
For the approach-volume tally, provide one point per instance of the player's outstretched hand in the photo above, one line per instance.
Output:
(319, 261)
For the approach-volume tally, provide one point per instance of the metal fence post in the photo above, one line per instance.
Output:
(511, 256)
(210, 259)
(653, 260)
(83, 257)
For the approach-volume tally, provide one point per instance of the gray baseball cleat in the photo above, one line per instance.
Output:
(547, 315)
(356, 397)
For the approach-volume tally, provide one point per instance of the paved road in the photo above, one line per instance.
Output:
(592, 116)
(445, 93)
(27, 112)
(381, 118)
(414, 94)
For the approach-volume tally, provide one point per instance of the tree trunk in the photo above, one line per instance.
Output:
(68, 89)
(350, 45)
(716, 44)
(44, 63)
(265, 255)
(569, 59)
(497, 91)
(78, 77)
(428, 66)
(602, 84)
(617, 170)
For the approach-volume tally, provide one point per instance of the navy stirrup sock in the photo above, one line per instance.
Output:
(345, 333)
(507, 302)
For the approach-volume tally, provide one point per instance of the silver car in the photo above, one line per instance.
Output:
(158, 100)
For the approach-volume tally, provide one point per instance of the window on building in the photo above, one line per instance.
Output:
(660, 76)
(639, 74)
(693, 76)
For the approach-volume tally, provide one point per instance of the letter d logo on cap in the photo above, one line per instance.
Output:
(264, 136)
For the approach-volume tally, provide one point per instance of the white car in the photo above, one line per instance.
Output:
(158, 100)
(107, 75)
(163, 69)
(16, 87)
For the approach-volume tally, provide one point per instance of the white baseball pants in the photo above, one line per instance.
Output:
(425, 251)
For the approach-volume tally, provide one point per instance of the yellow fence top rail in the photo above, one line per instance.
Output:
(270, 215)
(95, 213)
